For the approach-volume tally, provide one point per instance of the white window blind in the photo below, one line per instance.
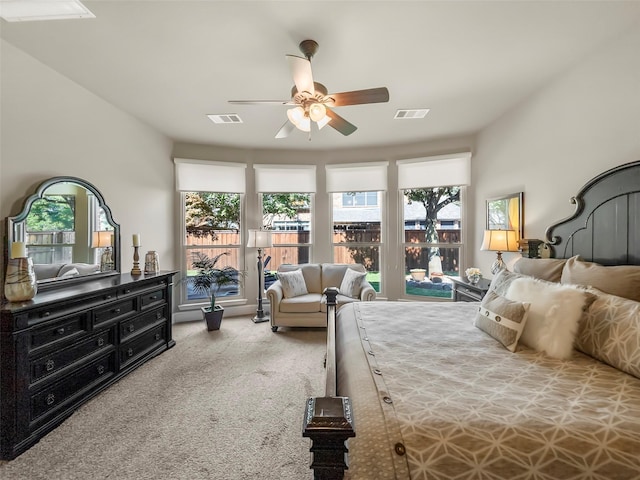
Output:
(285, 178)
(440, 171)
(357, 177)
(205, 176)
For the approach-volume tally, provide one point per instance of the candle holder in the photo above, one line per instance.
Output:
(136, 262)
(20, 282)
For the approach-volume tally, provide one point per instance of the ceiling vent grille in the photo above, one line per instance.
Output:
(225, 118)
(411, 114)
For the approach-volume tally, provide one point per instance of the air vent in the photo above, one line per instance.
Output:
(411, 114)
(225, 118)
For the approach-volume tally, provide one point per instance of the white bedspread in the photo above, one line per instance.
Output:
(464, 407)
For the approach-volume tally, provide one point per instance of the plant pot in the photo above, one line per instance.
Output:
(418, 274)
(213, 319)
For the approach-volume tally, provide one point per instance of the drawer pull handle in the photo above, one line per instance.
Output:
(100, 341)
(108, 297)
(131, 328)
(50, 365)
(60, 331)
(158, 315)
(128, 290)
(51, 398)
(157, 336)
(153, 297)
(100, 369)
(116, 310)
(130, 352)
(46, 314)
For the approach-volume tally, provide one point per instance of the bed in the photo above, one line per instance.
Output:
(540, 380)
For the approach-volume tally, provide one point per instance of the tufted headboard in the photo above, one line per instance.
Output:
(605, 228)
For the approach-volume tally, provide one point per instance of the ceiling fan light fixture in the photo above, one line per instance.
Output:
(317, 111)
(323, 121)
(304, 125)
(296, 115)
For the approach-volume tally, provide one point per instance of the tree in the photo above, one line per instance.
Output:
(287, 205)
(206, 212)
(433, 200)
(52, 213)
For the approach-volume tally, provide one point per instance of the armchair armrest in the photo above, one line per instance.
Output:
(367, 292)
(275, 293)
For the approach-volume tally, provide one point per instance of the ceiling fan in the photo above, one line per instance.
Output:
(312, 102)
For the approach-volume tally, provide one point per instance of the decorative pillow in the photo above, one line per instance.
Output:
(610, 332)
(549, 269)
(500, 283)
(352, 283)
(622, 281)
(553, 315)
(293, 284)
(503, 319)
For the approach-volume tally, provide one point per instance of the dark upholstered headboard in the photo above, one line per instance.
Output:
(605, 227)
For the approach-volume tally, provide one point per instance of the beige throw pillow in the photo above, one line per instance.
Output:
(352, 283)
(293, 284)
(503, 319)
(622, 281)
(549, 269)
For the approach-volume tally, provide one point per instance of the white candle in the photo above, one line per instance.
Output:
(18, 250)
(136, 239)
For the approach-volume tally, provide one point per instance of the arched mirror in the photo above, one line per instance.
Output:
(68, 232)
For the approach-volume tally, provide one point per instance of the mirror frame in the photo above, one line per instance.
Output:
(16, 227)
(520, 209)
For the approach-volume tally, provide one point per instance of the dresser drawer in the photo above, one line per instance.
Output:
(153, 298)
(52, 313)
(72, 387)
(132, 326)
(142, 344)
(114, 311)
(133, 289)
(47, 365)
(65, 329)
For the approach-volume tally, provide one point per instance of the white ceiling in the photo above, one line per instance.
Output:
(169, 63)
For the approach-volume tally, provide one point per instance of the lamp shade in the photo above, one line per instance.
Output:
(259, 239)
(500, 241)
(101, 239)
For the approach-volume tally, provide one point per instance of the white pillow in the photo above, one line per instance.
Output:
(293, 284)
(352, 283)
(555, 311)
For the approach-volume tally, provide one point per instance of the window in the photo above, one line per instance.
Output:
(287, 201)
(212, 229)
(432, 209)
(359, 199)
(212, 198)
(357, 193)
(288, 216)
(51, 229)
(357, 235)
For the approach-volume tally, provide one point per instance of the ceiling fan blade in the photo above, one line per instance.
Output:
(358, 97)
(262, 102)
(340, 124)
(301, 73)
(285, 130)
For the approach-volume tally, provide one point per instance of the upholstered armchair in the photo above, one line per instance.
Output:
(296, 298)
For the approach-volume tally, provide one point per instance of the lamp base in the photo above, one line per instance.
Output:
(498, 264)
(261, 318)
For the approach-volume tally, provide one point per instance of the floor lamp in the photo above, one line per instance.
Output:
(260, 239)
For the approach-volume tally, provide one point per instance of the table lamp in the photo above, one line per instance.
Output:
(499, 241)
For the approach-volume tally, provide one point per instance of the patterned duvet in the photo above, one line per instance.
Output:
(436, 398)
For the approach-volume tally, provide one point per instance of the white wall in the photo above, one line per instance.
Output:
(581, 124)
(52, 126)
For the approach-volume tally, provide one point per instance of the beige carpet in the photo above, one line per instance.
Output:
(219, 405)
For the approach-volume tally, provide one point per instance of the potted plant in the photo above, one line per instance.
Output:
(208, 280)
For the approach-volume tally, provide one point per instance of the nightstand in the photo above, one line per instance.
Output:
(463, 291)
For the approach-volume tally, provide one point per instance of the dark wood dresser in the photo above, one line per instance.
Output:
(68, 344)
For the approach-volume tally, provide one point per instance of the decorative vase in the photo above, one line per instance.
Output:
(151, 262)
(20, 281)
(474, 279)
(213, 318)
